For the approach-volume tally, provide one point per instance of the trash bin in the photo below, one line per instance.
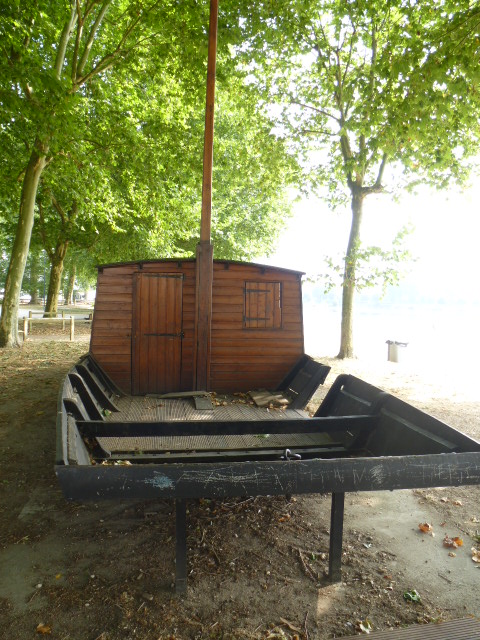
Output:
(396, 350)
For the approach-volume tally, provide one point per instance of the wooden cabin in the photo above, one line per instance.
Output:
(143, 332)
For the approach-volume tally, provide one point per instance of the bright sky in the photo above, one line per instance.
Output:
(445, 239)
(445, 242)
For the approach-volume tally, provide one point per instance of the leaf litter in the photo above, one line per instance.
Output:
(281, 547)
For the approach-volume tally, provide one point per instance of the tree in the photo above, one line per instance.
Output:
(111, 125)
(52, 52)
(369, 95)
(252, 171)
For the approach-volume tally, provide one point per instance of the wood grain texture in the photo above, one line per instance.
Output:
(231, 343)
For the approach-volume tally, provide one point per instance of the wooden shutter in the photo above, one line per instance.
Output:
(263, 305)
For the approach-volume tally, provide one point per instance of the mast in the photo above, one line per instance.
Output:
(204, 263)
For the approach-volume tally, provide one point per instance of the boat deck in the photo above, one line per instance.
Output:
(150, 409)
(228, 409)
(360, 439)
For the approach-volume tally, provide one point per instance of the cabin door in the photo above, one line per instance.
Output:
(157, 336)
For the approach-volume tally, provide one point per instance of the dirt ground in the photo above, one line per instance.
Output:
(257, 565)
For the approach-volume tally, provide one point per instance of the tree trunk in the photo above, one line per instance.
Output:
(16, 268)
(346, 338)
(55, 283)
(34, 273)
(70, 285)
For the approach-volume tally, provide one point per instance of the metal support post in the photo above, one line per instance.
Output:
(181, 546)
(336, 537)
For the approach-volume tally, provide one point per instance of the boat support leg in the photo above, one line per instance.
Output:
(180, 546)
(336, 537)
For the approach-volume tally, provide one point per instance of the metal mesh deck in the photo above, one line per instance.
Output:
(214, 443)
(147, 409)
(144, 409)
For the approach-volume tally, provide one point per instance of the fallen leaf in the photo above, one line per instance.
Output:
(452, 554)
(364, 626)
(412, 596)
(458, 503)
(452, 542)
(425, 527)
(290, 625)
(475, 555)
(44, 629)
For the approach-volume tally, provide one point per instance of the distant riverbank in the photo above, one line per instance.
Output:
(439, 335)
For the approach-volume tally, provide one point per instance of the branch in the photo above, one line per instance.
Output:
(64, 39)
(349, 58)
(347, 156)
(381, 170)
(326, 43)
(81, 22)
(28, 91)
(41, 230)
(460, 43)
(339, 91)
(377, 187)
(321, 132)
(371, 90)
(108, 60)
(26, 41)
(59, 209)
(66, 154)
(73, 211)
(91, 37)
(373, 62)
(322, 111)
(471, 13)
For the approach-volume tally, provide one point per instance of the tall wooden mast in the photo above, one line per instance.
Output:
(203, 298)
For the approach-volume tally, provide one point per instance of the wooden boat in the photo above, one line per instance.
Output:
(116, 446)
(141, 416)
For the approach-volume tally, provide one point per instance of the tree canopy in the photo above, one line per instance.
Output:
(101, 111)
(375, 96)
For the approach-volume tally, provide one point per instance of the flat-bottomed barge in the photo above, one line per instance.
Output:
(112, 446)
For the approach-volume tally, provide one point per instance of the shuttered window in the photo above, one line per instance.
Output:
(263, 305)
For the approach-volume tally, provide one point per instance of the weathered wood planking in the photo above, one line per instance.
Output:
(244, 354)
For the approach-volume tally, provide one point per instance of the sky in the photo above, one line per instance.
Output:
(445, 243)
(444, 240)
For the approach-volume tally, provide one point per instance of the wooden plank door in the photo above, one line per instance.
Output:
(157, 336)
